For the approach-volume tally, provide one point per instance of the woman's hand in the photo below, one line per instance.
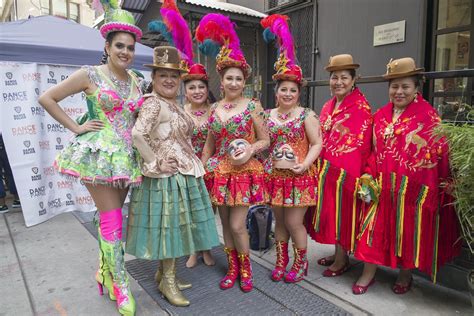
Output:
(89, 126)
(299, 168)
(169, 166)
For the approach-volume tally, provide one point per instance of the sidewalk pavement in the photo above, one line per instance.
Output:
(49, 269)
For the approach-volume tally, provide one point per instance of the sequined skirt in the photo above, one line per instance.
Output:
(170, 218)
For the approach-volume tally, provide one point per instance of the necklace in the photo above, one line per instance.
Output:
(123, 86)
(229, 106)
(284, 116)
(198, 113)
(397, 111)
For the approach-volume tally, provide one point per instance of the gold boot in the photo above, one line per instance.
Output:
(182, 285)
(168, 286)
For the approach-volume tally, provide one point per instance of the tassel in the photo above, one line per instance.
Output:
(322, 178)
(418, 219)
(339, 187)
(400, 215)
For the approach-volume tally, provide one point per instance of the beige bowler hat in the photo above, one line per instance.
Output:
(403, 67)
(167, 57)
(341, 62)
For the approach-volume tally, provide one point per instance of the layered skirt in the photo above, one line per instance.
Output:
(287, 189)
(170, 218)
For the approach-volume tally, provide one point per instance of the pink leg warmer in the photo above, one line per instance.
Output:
(111, 224)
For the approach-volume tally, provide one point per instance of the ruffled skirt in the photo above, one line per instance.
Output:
(170, 218)
(287, 189)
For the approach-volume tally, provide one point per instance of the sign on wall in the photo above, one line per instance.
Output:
(390, 33)
(33, 139)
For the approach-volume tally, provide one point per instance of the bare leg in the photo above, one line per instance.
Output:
(341, 259)
(208, 259)
(368, 274)
(281, 233)
(294, 218)
(107, 198)
(404, 277)
(224, 214)
(240, 235)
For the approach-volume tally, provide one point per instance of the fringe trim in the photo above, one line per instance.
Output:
(354, 211)
(322, 176)
(400, 215)
(434, 266)
(418, 219)
(339, 187)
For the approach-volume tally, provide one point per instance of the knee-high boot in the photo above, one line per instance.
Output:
(104, 277)
(110, 242)
(246, 275)
(168, 286)
(300, 266)
(228, 280)
(182, 285)
(282, 259)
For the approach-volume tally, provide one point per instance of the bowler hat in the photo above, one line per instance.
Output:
(167, 57)
(341, 62)
(403, 67)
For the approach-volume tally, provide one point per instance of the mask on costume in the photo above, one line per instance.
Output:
(284, 157)
(239, 152)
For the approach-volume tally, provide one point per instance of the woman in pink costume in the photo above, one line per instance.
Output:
(237, 132)
(101, 155)
(295, 137)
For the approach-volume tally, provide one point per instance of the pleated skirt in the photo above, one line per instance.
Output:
(170, 218)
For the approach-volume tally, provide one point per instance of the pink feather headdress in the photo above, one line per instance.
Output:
(276, 25)
(216, 30)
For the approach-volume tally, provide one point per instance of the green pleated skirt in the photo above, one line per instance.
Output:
(170, 218)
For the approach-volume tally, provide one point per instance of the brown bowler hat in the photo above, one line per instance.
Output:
(341, 62)
(167, 57)
(403, 67)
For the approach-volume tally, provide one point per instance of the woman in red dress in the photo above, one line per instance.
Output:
(295, 137)
(408, 224)
(237, 131)
(346, 122)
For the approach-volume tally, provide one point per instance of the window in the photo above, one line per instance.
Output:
(74, 11)
(60, 8)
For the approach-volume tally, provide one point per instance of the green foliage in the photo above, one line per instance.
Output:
(461, 143)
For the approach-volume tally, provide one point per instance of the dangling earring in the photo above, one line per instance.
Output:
(416, 98)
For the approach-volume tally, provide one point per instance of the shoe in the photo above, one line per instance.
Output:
(281, 261)
(299, 269)
(228, 280)
(402, 289)
(361, 289)
(4, 209)
(329, 273)
(104, 278)
(182, 285)
(113, 253)
(325, 261)
(16, 204)
(246, 281)
(168, 286)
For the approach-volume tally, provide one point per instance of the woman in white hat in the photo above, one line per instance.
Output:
(409, 207)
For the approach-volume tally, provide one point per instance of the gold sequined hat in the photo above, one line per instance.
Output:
(403, 67)
(167, 57)
(341, 62)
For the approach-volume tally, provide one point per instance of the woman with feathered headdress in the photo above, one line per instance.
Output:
(237, 133)
(295, 144)
(101, 155)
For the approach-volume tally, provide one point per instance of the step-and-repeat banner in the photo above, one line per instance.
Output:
(33, 139)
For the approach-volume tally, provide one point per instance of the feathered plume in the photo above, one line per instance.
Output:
(105, 5)
(276, 25)
(175, 30)
(217, 29)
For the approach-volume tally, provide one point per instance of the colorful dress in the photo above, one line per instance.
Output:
(170, 214)
(198, 139)
(286, 188)
(106, 157)
(411, 225)
(346, 133)
(231, 185)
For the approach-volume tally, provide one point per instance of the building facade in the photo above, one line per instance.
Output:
(436, 33)
(76, 10)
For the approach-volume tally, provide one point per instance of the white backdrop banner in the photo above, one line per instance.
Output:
(33, 139)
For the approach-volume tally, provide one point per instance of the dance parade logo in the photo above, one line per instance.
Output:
(59, 146)
(64, 77)
(55, 203)
(52, 80)
(24, 130)
(36, 175)
(44, 144)
(83, 200)
(64, 184)
(37, 192)
(38, 111)
(32, 76)
(42, 210)
(55, 128)
(18, 115)
(15, 96)
(69, 201)
(28, 149)
(74, 112)
(10, 81)
(49, 171)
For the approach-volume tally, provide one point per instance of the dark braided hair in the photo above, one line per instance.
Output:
(110, 37)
